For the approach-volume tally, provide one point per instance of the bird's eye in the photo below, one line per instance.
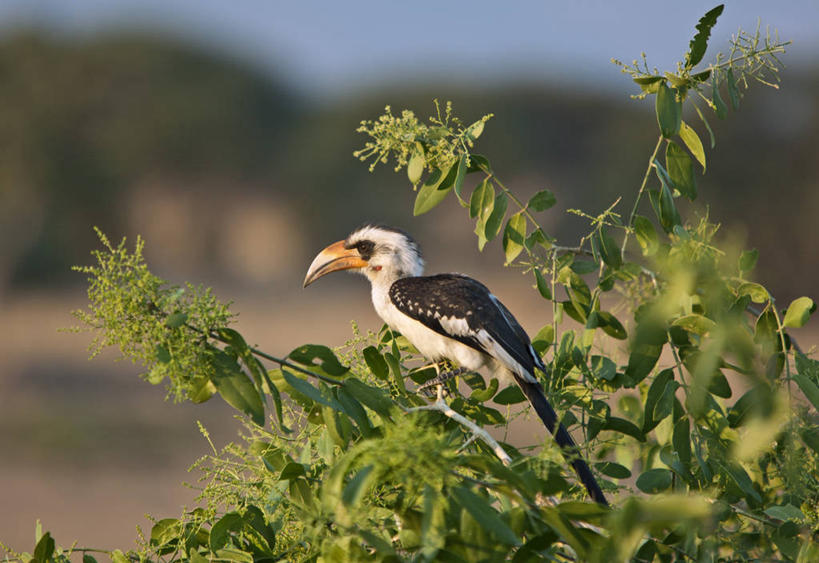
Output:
(365, 248)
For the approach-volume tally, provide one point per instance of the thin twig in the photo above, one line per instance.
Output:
(631, 215)
(441, 406)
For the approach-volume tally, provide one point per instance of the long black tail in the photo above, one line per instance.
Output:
(534, 392)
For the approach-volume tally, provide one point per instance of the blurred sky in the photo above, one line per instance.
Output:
(328, 49)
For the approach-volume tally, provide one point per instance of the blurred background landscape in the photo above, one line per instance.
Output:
(223, 134)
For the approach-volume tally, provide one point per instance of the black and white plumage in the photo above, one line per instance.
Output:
(448, 316)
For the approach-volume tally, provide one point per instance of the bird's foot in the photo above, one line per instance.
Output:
(439, 380)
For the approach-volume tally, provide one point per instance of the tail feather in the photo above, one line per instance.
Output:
(534, 392)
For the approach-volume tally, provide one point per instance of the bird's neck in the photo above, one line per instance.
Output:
(380, 290)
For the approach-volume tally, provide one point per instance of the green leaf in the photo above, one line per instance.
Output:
(719, 106)
(613, 470)
(799, 311)
(321, 396)
(485, 515)
(483, 195)
(807, 367)
(646, 235)
(316, 355)
(656, 391)
(165, 531)
(483, 395)
(415, 167)
(291, 471)
(756, 292)
(611, 325)
(707, 126)
(654, 481)
(372, 397)
(733, 91)
(624, 426)
(460, 175)
(747, 260)
(808, 387)
(435, 189)
(542, 201)
(681, 440)
(698, 45)
(609, 251)
(664, 201)
(235, 388)
(495, 219)
(222, 531)
(603, 367)
(695, 323)
(743, 481)
(44, 550)
(719, 386)
(512, 395)
(86, 558)
(376, 362)
(785, 512)
(669, 110)
(693, 142)
(514, 236)
(476, 129)
(681, 170)
(542, 287)
(642, 360)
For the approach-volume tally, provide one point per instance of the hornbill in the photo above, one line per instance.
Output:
(447, 317)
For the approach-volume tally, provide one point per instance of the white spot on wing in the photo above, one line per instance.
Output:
(455, 326)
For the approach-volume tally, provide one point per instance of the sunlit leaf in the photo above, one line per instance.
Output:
(785, 512)
(695, 323)
(756, 292)
(646, 235)
(799, 311)
(513, 236)
(415, 167)
(436, 187)
(681, 170)
(693, 142)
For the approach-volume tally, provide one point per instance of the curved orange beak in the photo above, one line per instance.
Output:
(333, 258)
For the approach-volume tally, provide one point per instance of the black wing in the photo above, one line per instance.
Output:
(460, 298)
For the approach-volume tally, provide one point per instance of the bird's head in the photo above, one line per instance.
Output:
(383, 254)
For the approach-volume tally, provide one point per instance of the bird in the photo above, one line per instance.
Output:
(448, 317)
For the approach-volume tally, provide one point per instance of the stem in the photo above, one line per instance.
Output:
(640, 192)
(441, 406)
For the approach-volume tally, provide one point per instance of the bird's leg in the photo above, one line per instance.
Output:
(441, 378)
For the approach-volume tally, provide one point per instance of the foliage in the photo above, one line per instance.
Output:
(694, 403)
